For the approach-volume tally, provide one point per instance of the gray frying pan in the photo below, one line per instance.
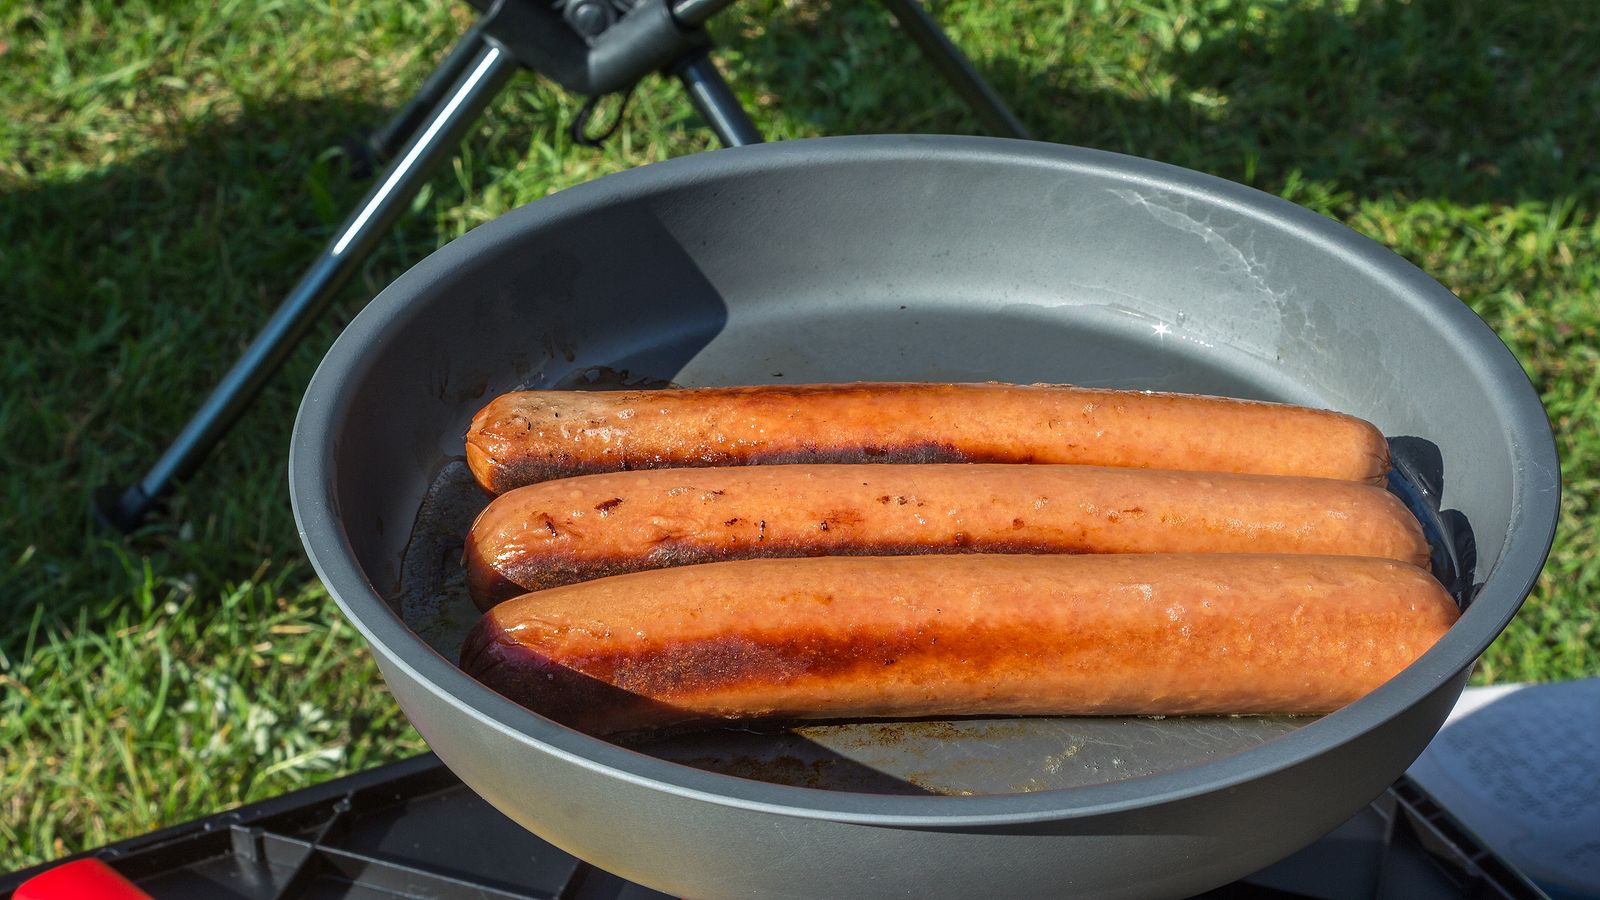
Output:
(917, 258)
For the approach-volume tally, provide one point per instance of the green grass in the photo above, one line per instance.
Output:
(166, 168)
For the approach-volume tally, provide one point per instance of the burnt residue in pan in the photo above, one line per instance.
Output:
(432, 598)
(605, 378)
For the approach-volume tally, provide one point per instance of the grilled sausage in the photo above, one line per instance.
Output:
(934, 636)
(531, 436)
(559, 532)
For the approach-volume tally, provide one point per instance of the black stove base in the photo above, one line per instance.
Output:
(413, 830)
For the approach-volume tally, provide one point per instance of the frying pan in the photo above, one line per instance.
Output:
(925, 258)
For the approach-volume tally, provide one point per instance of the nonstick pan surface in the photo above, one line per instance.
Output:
(924, 258)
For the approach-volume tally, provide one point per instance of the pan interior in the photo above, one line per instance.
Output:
(1080, 340)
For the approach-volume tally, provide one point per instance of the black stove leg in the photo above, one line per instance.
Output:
(937, 47)
(482, 71)
(716, 103)
(388, 140)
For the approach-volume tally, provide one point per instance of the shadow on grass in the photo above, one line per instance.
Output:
(1468, 102)
(127, 292)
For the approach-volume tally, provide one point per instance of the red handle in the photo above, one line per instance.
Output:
(84, 879)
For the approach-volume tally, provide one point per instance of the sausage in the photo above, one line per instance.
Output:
(559, 532)
(936, 636)
(531, 436)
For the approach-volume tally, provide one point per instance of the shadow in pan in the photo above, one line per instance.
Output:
(781, 757)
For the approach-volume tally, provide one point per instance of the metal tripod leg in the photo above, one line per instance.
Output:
(388, 140)
(485, 70)
(945, 56)
(716, 103)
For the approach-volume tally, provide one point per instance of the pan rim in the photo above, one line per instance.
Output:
(1535, 494)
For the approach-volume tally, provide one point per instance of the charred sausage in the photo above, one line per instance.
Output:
(531, 436)
(559, 532)
(868, 637)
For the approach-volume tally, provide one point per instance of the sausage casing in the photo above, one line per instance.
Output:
(530, 436)
(868, 637)
(560, 532)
